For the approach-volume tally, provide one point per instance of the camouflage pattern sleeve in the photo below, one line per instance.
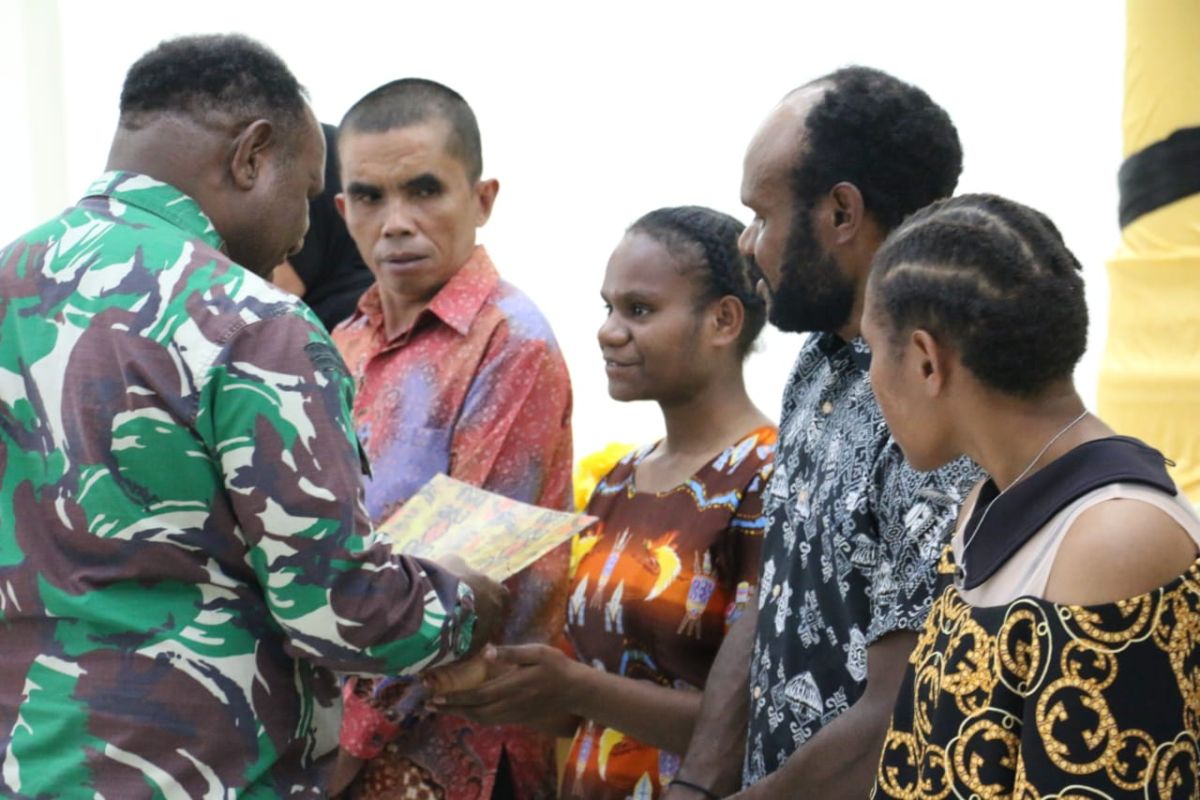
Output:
(274, 411)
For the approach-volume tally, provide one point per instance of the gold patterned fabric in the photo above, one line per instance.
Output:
(1039, 700)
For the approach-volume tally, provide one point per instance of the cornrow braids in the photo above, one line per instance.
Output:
(708, 241)
(994, 280)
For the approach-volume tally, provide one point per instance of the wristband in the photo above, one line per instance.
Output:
(687, 785)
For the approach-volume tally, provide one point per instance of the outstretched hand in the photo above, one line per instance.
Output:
(491, 601)
(526, 683)
(463, 675)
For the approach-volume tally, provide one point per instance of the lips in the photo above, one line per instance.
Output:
(403, 259)
(612, 363)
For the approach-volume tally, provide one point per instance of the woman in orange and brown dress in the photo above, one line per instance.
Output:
(676, 555)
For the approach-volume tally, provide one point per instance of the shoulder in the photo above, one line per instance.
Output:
(511, 309)
(1118, 549)
(948, 485)
(231, 313)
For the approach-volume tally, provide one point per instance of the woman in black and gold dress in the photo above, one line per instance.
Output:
(1062, 657)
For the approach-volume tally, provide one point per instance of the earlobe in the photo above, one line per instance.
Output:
(931, 358)
(848, 211)
(486, 192)
(249, 152)
(728, 317)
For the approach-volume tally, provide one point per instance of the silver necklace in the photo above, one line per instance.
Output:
(1019, 478)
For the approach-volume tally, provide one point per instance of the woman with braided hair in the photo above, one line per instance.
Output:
(676, 555)
(1060, 657)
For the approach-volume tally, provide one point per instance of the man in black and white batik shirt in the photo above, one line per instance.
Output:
(804, 684)
(854, 535)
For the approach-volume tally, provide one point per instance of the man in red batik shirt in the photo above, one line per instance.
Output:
(457, 373)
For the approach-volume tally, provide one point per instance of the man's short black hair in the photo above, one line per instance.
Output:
(412, 101)
(883, 135)
(230, 73)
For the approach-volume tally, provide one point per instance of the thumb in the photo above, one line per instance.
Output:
(517, 654)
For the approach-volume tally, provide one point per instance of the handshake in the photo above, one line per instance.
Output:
(490, 685)
(494, 684)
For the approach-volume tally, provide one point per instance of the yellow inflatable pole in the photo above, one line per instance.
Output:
(1150, 375)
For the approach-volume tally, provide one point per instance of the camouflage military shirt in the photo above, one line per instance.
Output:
(184, 554)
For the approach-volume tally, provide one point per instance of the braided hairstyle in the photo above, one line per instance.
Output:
(707, 241)
(994, 280)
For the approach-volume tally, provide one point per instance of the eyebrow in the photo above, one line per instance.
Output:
(360, 188)
(426, 180)
(632, 296)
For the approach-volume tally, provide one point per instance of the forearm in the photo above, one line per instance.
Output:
(558, 724)
(718, 742)
(656, 715)
(839, 762)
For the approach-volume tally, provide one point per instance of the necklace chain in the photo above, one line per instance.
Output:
(1019, 478)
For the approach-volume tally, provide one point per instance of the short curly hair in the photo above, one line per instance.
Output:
(992, 279)
(707, 241)
(217, 72)
(886, 137)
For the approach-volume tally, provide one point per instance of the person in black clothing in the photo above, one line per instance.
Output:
(328, 273)
(1059, 656)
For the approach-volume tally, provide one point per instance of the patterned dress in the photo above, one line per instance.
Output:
(652, 598)
(1033, 699)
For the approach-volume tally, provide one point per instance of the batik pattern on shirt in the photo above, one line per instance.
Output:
(1034, 699)
(184, 553)
(477, 389)
(850, 550)
(661, 581)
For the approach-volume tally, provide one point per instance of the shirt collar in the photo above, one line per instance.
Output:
(157, 198)
(835, 347)
(456, 304)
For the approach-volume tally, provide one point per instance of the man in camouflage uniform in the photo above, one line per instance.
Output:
(184, 555)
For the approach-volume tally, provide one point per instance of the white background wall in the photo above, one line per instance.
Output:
(593, 114)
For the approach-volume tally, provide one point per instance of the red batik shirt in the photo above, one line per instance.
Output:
(477, 389)
(654, 594)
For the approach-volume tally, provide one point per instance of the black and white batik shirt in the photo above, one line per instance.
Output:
(850, 552)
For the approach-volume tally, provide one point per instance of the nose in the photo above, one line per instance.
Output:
(398, 221)
(747, 238)
(612, 333)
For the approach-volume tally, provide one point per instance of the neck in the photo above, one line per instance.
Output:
(857, 264)
(172, 149)
(710, 420)
(1010, 435)
(400, 312)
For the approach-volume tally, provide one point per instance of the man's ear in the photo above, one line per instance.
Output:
(485, 193)
(339, 200)
(846, 210)
(933, 361)
(249, 152)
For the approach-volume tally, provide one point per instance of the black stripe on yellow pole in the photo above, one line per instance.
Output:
(1150, 375)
